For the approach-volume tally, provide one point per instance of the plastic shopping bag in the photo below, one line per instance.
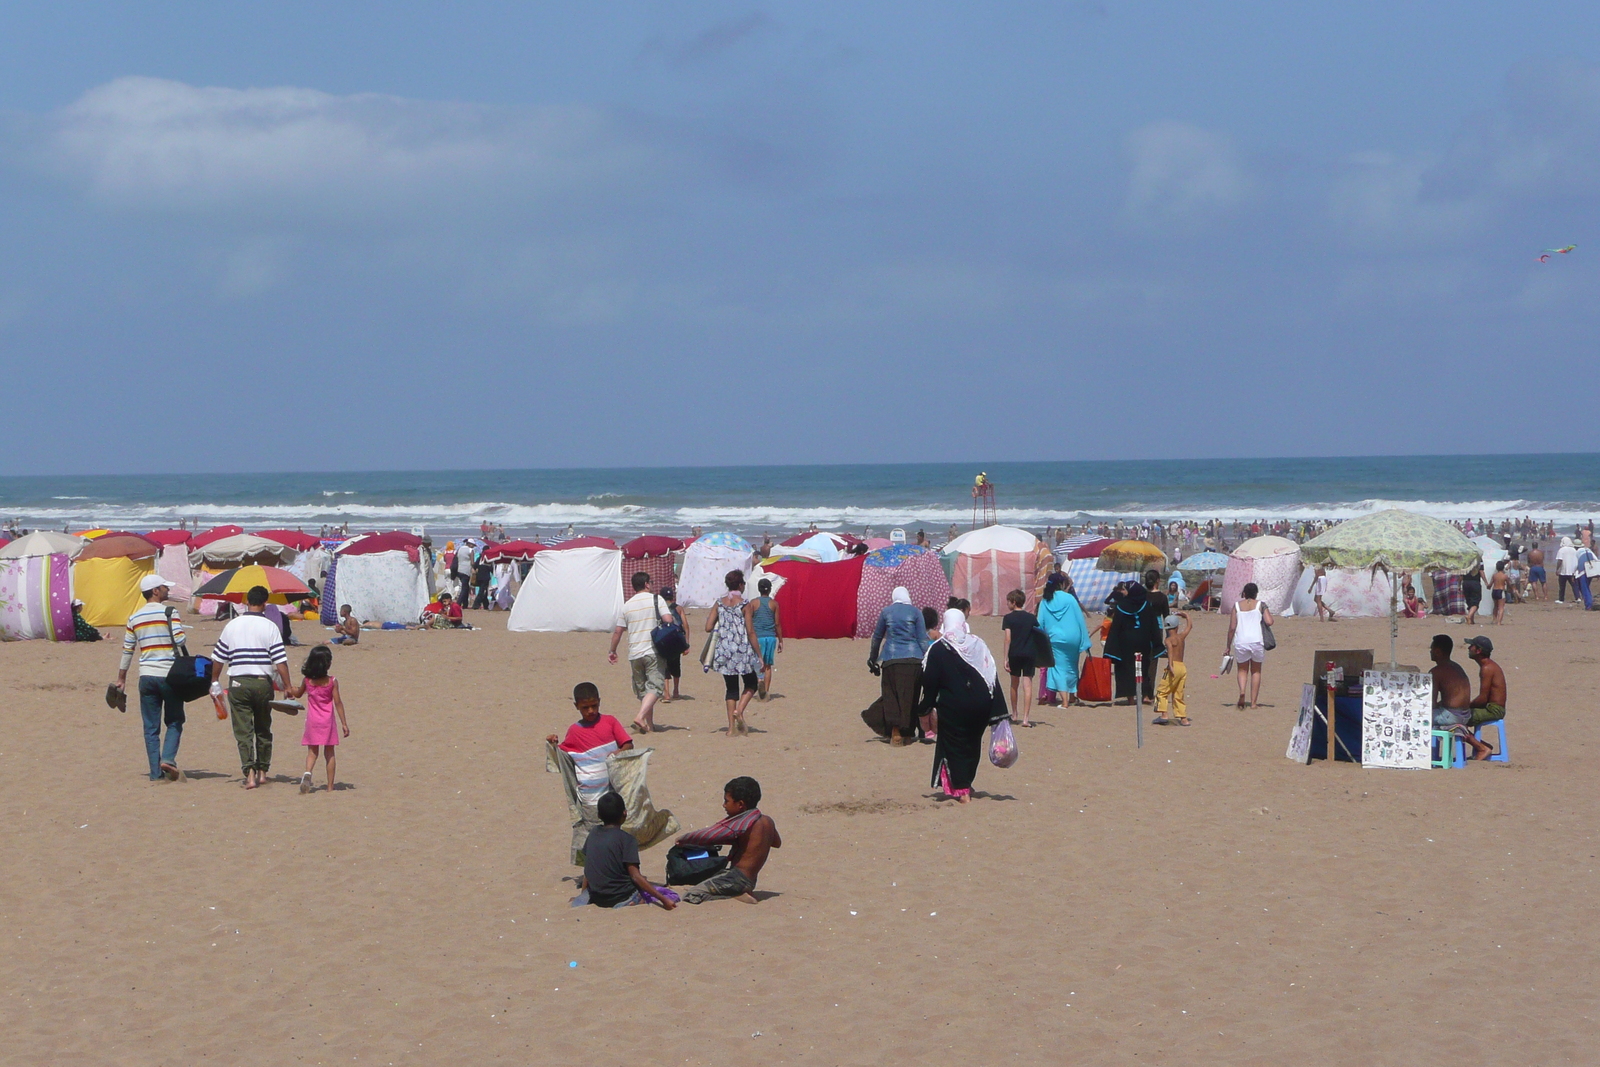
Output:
(1002, 744)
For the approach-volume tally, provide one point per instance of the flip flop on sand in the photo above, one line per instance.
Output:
(170, 770)
(1183, 721)
(1160, 720)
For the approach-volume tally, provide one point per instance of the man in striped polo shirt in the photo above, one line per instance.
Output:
(250, 650)
(153, 633)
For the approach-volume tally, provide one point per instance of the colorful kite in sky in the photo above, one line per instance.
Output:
(1560, 251)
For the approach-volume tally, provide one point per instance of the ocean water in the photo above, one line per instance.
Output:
(1562, 488)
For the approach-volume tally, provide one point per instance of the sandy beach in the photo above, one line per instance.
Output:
(1201, 900)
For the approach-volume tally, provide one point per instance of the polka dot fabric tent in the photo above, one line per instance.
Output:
(916, 567)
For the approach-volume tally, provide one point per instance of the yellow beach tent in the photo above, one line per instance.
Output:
(109, 588)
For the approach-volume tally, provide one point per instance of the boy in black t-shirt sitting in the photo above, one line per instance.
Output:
(1018, 626)
(611, 863)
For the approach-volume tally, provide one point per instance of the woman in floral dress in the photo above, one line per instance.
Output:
(736, 655)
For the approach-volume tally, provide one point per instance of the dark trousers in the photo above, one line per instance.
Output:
(464, 593)
(901, 681)
(1562, 581)
(1123, 670)
(482, 599)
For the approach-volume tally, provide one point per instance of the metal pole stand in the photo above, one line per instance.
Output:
(1138, 697)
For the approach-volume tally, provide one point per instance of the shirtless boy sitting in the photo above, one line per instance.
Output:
(1452, 692)
(752, 835)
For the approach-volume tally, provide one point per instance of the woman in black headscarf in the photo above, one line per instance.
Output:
(960, 679)
(1135, 630)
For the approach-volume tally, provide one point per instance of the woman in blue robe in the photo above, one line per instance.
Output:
(1061, 619)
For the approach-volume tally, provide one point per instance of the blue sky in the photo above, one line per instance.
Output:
(491, 234)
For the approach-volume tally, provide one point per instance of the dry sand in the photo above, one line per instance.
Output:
(1199, 901)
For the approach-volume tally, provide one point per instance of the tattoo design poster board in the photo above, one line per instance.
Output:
(1396, 719)
(1300, 736)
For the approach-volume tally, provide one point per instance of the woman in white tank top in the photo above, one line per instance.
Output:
(1245, 642)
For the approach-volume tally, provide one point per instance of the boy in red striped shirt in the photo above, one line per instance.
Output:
(752, 835)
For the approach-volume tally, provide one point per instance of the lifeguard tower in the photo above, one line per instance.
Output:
(983, 501)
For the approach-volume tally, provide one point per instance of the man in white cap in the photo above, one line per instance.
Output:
(155, 634)
(1566, 569)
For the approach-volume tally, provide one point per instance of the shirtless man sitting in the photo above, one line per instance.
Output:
(1452, 690)
(347, 631)
(1490, 703)
(752, 835)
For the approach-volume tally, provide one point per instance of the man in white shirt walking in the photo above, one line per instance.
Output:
(250, 652)
(1566, 569)
(640, 615)
(154, 634)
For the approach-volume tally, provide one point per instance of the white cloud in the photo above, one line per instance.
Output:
(1379, 197)
(1183, 177)
(147, 142)
(1541, 143)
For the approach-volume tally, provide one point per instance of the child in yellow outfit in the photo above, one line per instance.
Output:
(1175, 675)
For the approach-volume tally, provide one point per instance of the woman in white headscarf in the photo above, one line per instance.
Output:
(902, 640)
(960, 680)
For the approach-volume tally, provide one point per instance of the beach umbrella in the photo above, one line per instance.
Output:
(295, 539)
(240, 550)
(282, 587)
(216, 533)
(1264, 547)
(517, 550)
(1132, 556)
(650, 545)
(394, 541)
(119, 546)
(90, 535)
(1397, 541)
(585, 542)
(1090, 549)
(1204, 563)
(41, 543)
(169, 537)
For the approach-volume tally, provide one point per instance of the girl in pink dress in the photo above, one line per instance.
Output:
(322, 701)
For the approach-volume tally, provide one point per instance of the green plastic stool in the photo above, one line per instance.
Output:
(1445, 753)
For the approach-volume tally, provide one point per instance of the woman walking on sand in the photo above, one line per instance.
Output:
(736, 656)
(960, 680)
(1062, 620)
(322, 703)
(1245, 641)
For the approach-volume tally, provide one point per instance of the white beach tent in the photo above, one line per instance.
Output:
(1493, 551)
(706, 563)
(984, 565)
(1273, 563)
(381, 577)
(570, 589)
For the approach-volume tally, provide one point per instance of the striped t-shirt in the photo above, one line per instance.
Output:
(250, 645)
(147, 634)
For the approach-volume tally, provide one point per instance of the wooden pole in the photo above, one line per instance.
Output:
(1328, 678)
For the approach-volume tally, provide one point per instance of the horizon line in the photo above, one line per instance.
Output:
(764, 466)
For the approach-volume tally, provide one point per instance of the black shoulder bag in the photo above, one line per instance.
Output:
(190, 676)
(667, 637)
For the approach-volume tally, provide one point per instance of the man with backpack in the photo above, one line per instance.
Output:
(641, 614)
(154, 633)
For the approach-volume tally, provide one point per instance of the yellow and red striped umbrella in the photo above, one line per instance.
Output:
(282, 587)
